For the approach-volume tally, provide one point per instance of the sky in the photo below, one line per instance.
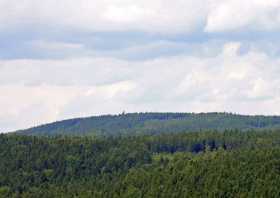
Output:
(68, 58)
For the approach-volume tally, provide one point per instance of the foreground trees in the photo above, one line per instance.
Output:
(203, 164)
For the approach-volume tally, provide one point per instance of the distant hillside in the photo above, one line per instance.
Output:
(153, 123)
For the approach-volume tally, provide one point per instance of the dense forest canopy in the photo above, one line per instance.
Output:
(154, 123)
(232, 163)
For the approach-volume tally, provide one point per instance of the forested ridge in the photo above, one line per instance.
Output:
(230, 163)
(153, 123)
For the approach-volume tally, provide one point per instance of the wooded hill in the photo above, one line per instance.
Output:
(153, 123)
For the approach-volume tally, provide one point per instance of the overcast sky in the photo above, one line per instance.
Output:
(68, 58)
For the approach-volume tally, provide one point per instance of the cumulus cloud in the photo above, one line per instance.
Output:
(153, 16)
(238, 15)
(106, 15)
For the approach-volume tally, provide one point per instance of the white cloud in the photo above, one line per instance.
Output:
(236, 15)
(153, 16)
(28, 106)
(106, 15)
(23, 106)
(63, 72)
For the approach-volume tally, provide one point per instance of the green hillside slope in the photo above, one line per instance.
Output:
(154, 123)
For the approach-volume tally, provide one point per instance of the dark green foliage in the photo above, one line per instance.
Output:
(240, 173)
(202, 164)
(154, 123)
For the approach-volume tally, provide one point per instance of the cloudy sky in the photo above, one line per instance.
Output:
(69, 58)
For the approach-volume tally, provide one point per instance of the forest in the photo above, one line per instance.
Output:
(206, 163)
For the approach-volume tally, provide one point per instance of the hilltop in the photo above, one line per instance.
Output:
(153, 123)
